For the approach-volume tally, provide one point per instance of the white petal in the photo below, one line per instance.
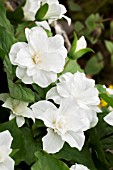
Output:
(53, 94)
(43, 24)
(27, 112)
(54, 11)
(66, 77)
(74, 139)
(41, 106)
(21, 73)
(78, 167)
(44, 78)
(8, 164)
(39, 44)
(109, 118)
(81, 43)
(5, 138)
(30, 9)
(11, 116)
(52, 142)
(24, 57)
(68, 19)
(8, 103)
(14, 50)
(20, 121)
(53, 61)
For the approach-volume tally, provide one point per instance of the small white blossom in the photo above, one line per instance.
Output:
(81, 89)
(40, 59)
(18, 109)
(81, 43)
(6, 163)
(78, 167)
(64, 124)
(55, 11)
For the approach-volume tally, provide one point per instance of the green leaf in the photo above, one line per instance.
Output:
(3, 19)
(48, 162)
(42, 12)
(31, 146)
(94, 64)
(6, 39)
(76, 156)
(108, 98)
(72, 66)
(20, 30)
(2, 54)
(19, 92)
(80, 53)
(18, 141)
(109, 46)
(73, 46)
(100, 88)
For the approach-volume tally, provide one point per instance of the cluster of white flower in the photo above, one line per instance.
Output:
(39, 61)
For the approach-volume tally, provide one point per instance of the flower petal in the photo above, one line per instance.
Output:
(44, 78)
(41, 106)
(14, 50)
(81, 43)
(53, 94)
(8, 164)
(74, 139)
(21, 74)
(109, 118)
(52, 142)
(5, 138)
(20, 121)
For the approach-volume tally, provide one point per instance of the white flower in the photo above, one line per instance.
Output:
(81, 89)
(18, 109)
(55, 11)
(30, 9)
(6, 163)
(109, 118)
(65, 124)
(81, 43)
(40, 59)
(78, 167)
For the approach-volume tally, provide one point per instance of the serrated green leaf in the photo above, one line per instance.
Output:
(48, 162)
(42, 12)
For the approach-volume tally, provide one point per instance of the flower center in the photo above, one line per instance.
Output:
(59, 124)
(36, 58)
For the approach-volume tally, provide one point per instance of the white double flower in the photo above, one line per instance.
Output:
(39, 60)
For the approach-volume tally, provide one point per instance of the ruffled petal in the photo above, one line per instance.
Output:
(52, 142)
